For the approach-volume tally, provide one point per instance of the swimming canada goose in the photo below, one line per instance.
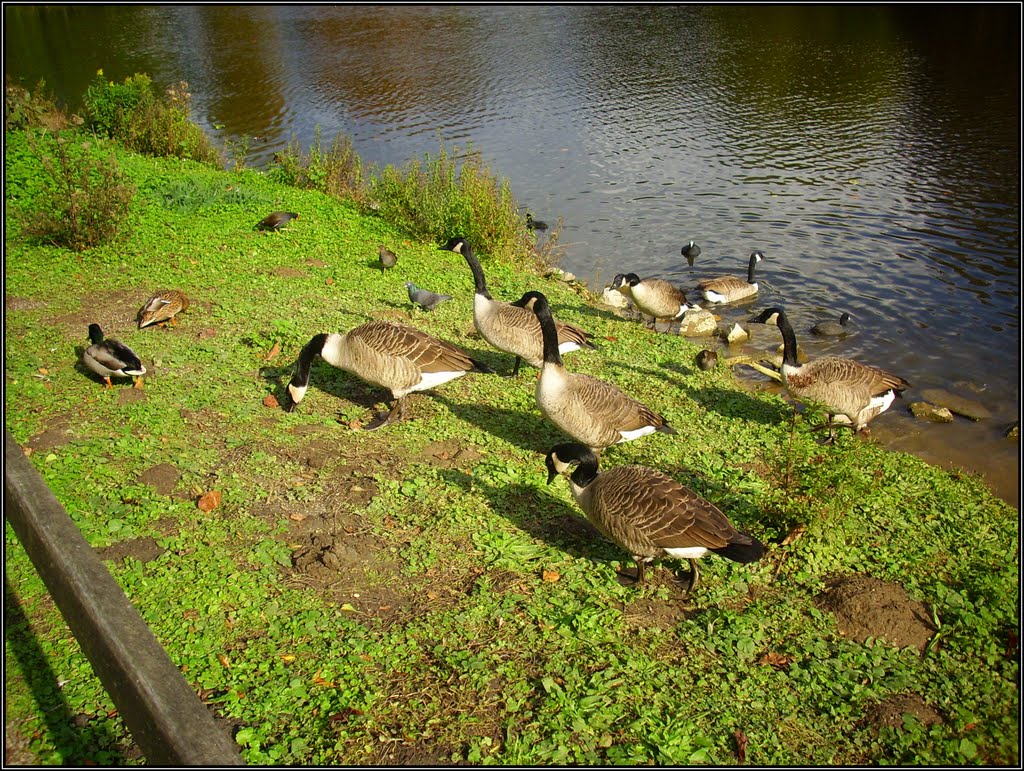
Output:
(852, 393)
(397, 357)
(653, 296)
(512, 327)
(587, 409)
(388, 259)
(111, 358)
(690, 251)
(727, 289)
(424, 298)
(276, 220)
(649, 514)
(831, 328)
(162, 307)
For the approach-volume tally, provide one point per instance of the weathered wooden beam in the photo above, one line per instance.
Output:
(166, 719)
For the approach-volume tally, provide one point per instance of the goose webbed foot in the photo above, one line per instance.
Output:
(396, 414)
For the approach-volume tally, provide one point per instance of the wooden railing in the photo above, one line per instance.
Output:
(165, 717)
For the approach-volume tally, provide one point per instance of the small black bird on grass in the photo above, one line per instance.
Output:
(388, 259)
(276, 220)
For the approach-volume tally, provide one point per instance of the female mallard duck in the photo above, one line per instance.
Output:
(512, 327)
(587, 409)
(654, 297)
(852, 393)
(727, 289)
(276, 220)
(400, 358)
(111, 358)
(649, 514)
(162, 307)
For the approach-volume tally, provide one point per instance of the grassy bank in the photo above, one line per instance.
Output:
(419, 594)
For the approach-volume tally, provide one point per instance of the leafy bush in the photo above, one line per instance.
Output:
(30, 109)
(337, 172)
(85, 201)
(131, 113)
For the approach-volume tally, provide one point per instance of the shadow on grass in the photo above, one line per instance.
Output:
(74, 737)
(527, 430)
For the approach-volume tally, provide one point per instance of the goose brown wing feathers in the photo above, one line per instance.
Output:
(853, 374)
(611, 406)
(426, 352)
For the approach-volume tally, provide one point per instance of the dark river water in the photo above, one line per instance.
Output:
(871, 152)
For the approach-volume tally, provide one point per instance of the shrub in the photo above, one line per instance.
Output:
(31, 109)
(85, 201)
(338, 172)
(131, 113)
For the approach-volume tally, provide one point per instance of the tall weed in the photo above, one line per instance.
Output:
(85, 201)
(135, 116)
(336, 171)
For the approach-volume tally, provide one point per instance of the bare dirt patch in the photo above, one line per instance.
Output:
(868, 607)
(21, 304)
(163, 477)
(113, 311)
(286, 272)
(56, 435)
(144, 549)
(889, 713)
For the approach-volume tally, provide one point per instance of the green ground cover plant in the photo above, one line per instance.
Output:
(420, 594)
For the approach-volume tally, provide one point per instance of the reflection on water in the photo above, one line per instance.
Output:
(872, 153)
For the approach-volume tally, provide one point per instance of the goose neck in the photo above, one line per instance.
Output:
(585, 472)
(549, 333)
(310, 351)
(788, 341)
(750, 269)
(478, 272)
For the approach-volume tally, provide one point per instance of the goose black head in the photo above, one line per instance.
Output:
(454, 244)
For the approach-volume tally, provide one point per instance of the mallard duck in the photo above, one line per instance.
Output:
(654, 297)
(162, 307)
(512, 327)
(424, 298)
(853, 393)
(587, 409)
(111, 358)
(397, 357)
(727, 289)
(650, 514)
(276, 220)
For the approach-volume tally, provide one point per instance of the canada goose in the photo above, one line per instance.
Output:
(852, 393)
(727, 289)
(707, 359)
(162, 308)
(587, 409)
(649, 514)
(511, 327)
(424, 297)
(768, 316)
(831, 328)
(111, 358)
(397, 357)
(653, 296)
(388, 259)
(690, 251)
(276, 220)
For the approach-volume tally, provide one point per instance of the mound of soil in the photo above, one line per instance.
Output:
(889, 713)
(868, 607)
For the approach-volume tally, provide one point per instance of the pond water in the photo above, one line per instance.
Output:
(872, 153)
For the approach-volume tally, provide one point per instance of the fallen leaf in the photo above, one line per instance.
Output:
(223, 659)
(317, 680)
(775, 659)
(794, 534)
(287, 658)
(741, 745)
(551, 576)
(611, 338)
(431, 595)
(348, 607)
(329, 281)
(274, 351)
(271, 401)
(296, 517)
(44, 371)
(209, 501)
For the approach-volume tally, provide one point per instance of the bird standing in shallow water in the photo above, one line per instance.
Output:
(424, 297)
(276, 220)
(388, 259)
(111, 358)
(691, 252)
(649, 514)
(853, 394)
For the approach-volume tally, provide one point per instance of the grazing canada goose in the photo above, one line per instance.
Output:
(397, 357)
(162, 307)
(112, 358)
(831, 328)
(388, 259)
(851, 392)
(707, 359)
(649, 514)
(653, 296)
(587, 409)
(424, 298)
(690, 251)
(512, 327)
(727, 289)
(276, 220)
